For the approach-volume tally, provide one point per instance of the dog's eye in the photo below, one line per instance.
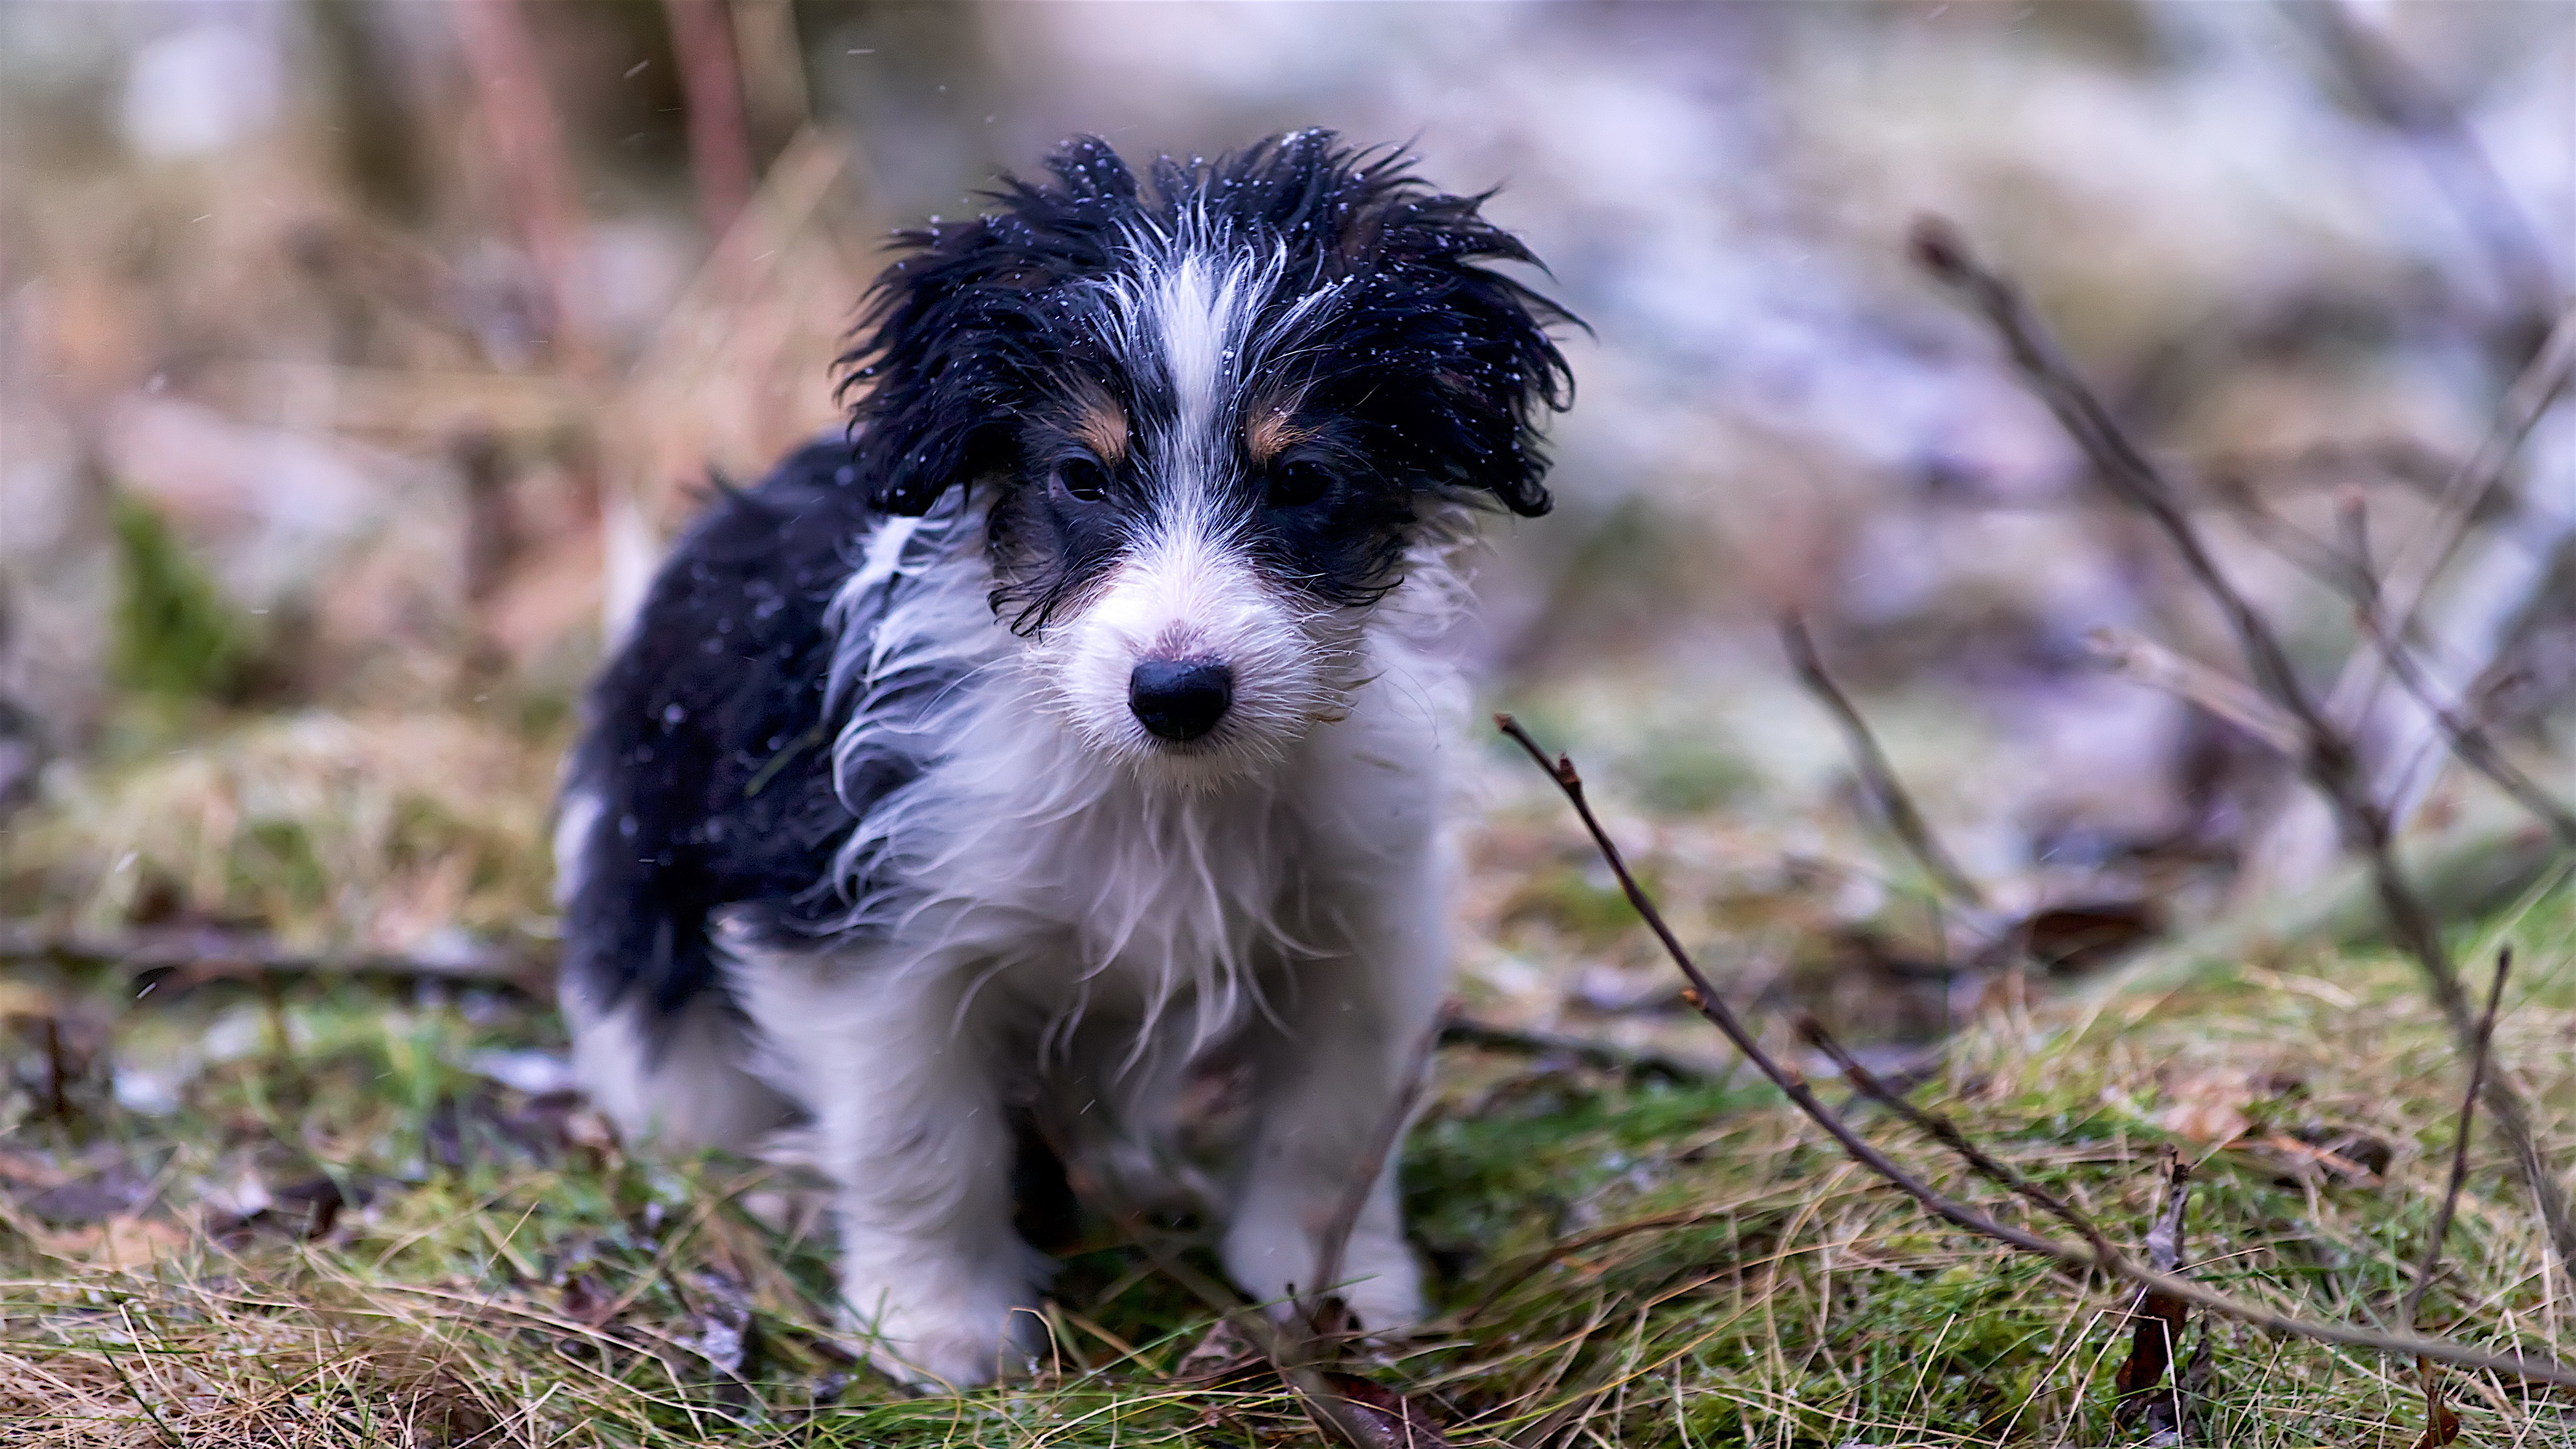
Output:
(1298, 482)
(1082, 480)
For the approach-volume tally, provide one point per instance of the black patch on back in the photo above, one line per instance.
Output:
(706, 744)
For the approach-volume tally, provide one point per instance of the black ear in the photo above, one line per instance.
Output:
(1461, 362)
(955, 332)
(1490, 365)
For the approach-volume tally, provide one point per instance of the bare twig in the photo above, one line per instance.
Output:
(2328, 756)
(2301, 549)
(1942, 1130)
(2459, 1146)
(2401, 99)
(1457, 1029)
(1876, 773)
(2357, 699)
(2412, 568)
(1703, 996)
(526, 137)
(2351, 573)
(2467, 740)
(194, 955)
(702, 36)
(2146, 662)
(2441, 1423)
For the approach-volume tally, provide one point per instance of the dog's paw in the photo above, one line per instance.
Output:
(1379, 1283)
(936, 1331)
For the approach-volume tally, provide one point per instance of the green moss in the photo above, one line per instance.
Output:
(177, 636)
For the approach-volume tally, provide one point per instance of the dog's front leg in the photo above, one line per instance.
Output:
(908, 1122)
(1327, 1084)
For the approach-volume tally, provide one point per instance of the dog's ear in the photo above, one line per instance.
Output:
(953, 332)
(1474, 363)
(1489, 361)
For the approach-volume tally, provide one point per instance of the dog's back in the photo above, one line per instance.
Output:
(703, 779)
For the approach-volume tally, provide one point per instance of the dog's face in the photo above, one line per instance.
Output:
(1206, 418)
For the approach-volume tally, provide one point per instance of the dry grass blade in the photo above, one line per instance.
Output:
(2160, 1318)
(1894, 800)
(2328, 756)
(1703, 996)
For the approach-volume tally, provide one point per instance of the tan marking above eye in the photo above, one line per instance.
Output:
(1102, 427)
(1271, 433)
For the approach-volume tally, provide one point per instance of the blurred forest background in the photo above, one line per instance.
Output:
(357, 358)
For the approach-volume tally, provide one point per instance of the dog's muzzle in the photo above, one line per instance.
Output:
(1180, 699)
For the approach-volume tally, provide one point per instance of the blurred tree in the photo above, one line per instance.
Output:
(371, 118)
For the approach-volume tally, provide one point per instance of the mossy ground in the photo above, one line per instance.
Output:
(1616, 1263)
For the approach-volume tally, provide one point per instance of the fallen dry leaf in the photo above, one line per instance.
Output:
(2143, 1399)
(1372, 1416)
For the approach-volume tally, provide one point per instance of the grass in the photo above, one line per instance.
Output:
(1615, 1264)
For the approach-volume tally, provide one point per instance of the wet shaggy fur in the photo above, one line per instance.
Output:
(1077, 719)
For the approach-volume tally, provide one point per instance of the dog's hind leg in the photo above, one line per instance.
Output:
(679, 1084)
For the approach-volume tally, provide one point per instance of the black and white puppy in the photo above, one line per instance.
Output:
(1071, 723)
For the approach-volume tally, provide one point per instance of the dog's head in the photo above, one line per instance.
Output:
(1207, 413)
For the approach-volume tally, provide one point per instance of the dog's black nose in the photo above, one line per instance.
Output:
(1180, 699)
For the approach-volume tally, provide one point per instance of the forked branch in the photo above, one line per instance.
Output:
(1894, 801)
(2098, 1253)
(2327, 755)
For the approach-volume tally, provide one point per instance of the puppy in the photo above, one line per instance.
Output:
(1074, 722)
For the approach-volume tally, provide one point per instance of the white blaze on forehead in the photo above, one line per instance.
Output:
(1199, 323)
(1203, 307)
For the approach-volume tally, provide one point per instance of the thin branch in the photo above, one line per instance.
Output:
(1876, 773)
(1942, 1130)
(702, 37)
(2400, 98)
(2468, 740)
(2412, 570)
(2301, 549)
(2459, 1147)
(187, 957)
(1703, 995)
(2328, 756)
(2143, 661)
(1457, 1029)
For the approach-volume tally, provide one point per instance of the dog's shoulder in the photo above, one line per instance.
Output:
(703, 777)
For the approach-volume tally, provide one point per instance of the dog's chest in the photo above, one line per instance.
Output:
(1133, 891)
